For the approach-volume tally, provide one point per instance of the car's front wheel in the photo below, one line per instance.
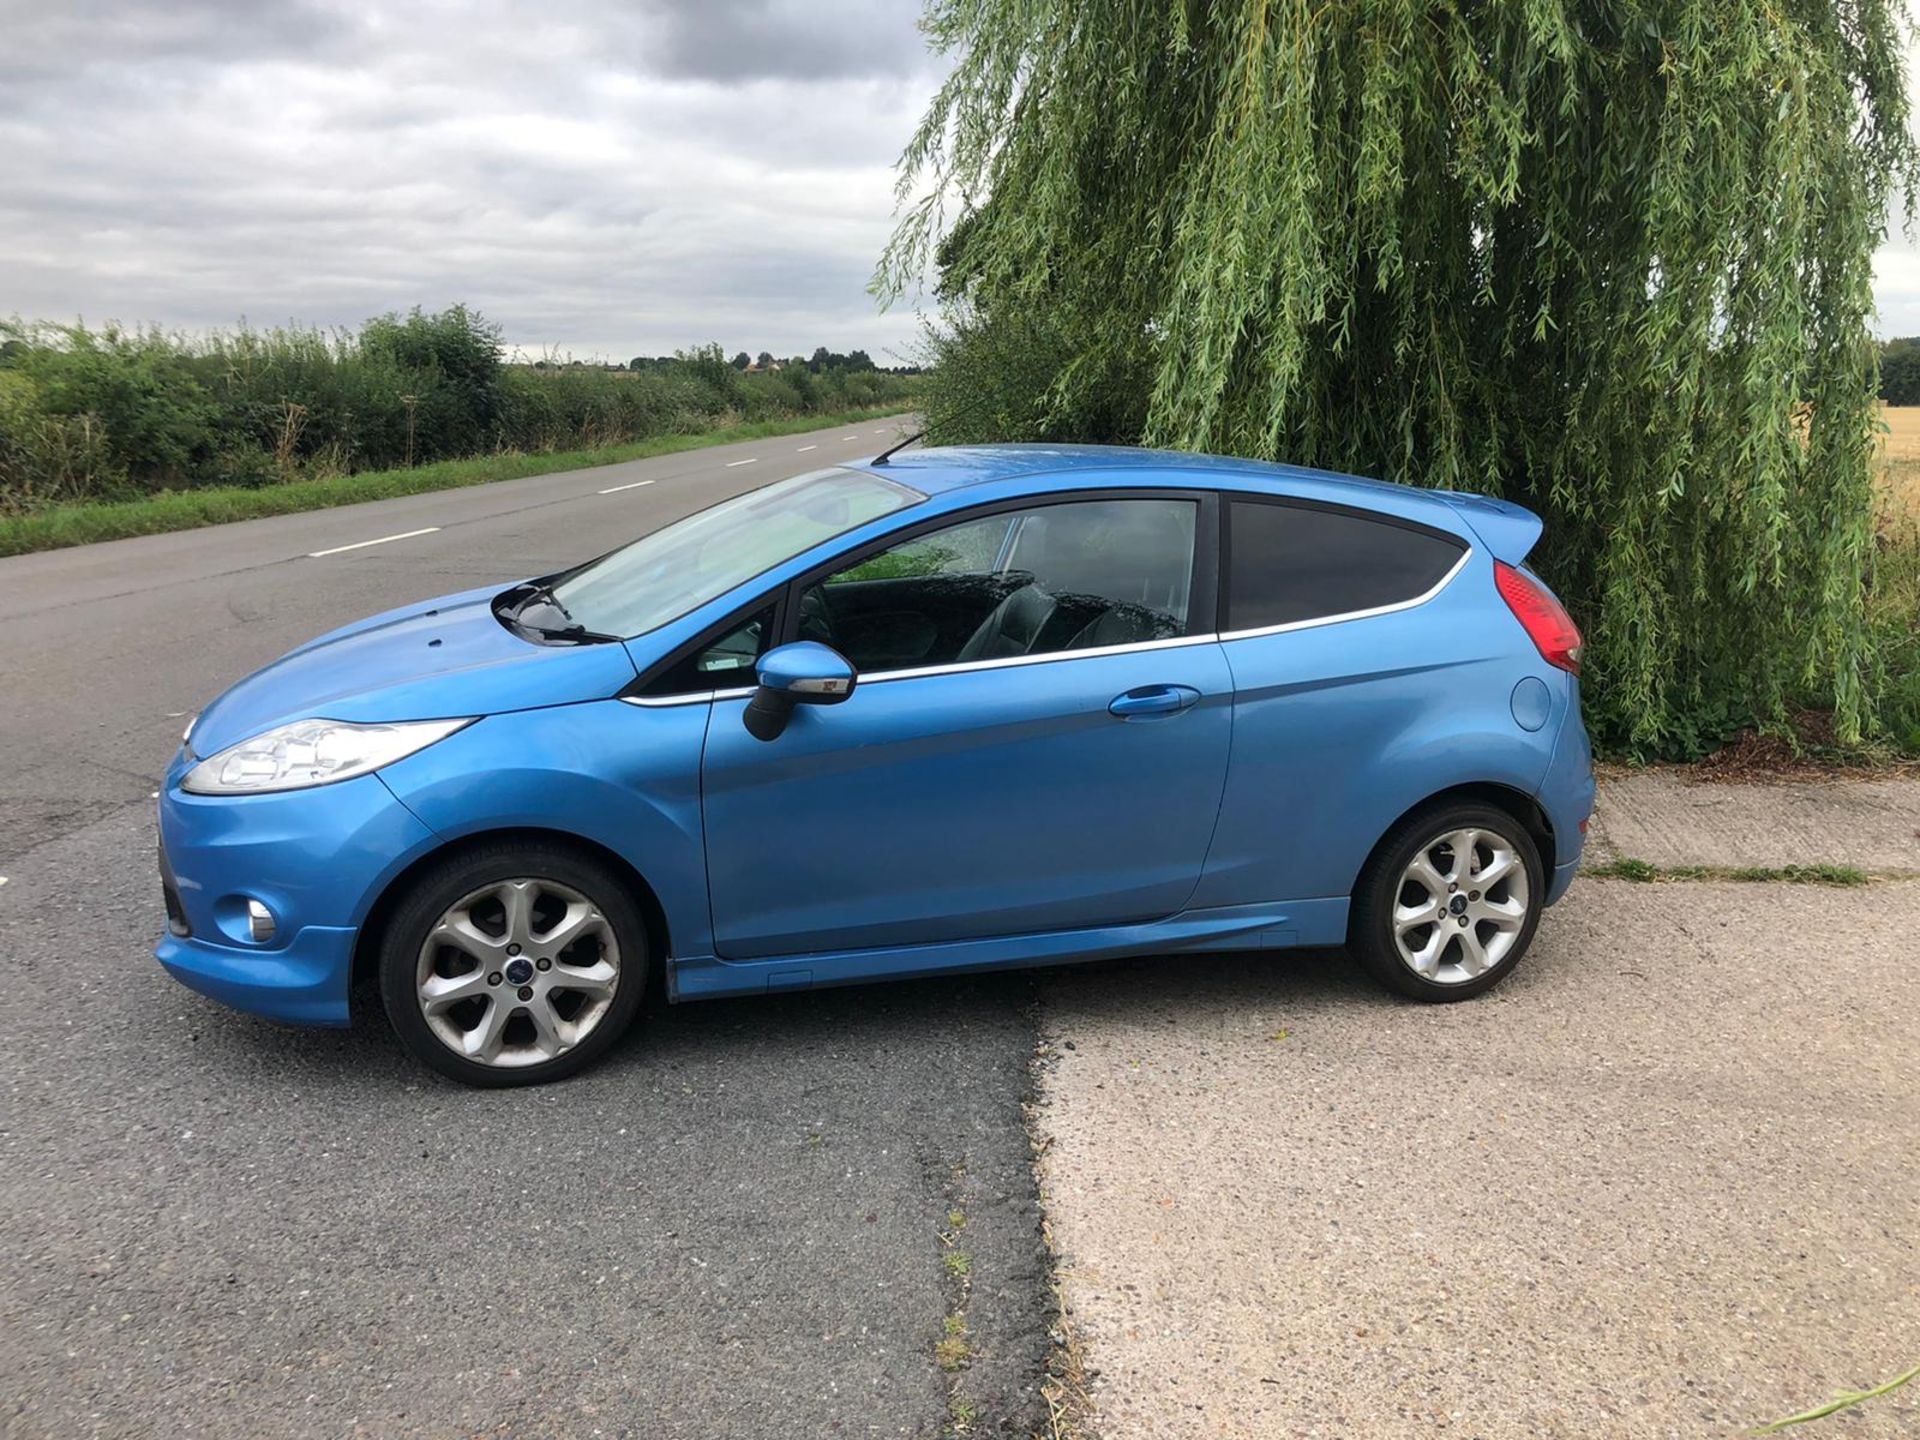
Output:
(513, 964)
(1448, 904)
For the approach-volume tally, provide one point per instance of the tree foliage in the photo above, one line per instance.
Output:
(1610, 260)
(1900, 371)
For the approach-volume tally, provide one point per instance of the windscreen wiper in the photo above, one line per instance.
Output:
(573, 630)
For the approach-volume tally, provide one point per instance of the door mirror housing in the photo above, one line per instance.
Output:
(803, 673)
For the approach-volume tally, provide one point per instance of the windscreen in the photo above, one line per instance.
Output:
(662, 576)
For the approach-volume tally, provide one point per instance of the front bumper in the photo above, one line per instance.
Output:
(303, 983)
(316, 859)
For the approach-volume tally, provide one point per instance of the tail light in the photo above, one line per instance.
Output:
(1544, 618)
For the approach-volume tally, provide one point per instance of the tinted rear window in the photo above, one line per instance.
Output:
(1288, 563)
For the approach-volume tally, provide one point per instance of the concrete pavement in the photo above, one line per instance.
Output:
(1664, 1182)
(1667, 817)
(213, 1226)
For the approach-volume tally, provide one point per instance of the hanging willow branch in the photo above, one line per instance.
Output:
(1611, 260)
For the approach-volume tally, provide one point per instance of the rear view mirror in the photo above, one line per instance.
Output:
(803, 673)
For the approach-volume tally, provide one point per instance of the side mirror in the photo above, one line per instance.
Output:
(803, 673)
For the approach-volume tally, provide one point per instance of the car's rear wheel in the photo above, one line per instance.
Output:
(513, 964)
(1449, 902)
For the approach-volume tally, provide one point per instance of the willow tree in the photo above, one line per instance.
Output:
(1611, 260)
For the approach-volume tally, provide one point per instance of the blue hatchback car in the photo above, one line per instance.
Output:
(958, 709)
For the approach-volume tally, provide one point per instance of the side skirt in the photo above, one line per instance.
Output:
(1233, 927)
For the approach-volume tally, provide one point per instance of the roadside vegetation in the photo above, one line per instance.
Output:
(57, 526)
(1646, 872)
(1617, 270)
(114, 431)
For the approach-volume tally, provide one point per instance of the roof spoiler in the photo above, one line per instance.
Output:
(1506, 529)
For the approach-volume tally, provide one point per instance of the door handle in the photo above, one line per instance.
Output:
(1153, 700)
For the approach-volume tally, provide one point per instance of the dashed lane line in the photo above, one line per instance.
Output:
(362, 544)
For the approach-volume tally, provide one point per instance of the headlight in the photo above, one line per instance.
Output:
(311, 752)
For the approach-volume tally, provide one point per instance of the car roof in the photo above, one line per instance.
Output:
(940, 470)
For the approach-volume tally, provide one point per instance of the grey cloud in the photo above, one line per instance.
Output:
(755, 39)
(53, 43)
(601, 178)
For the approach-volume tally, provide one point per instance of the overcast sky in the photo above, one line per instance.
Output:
(611, 177)
(605, 177)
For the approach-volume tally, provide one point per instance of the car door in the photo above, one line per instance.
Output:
(1037, 742)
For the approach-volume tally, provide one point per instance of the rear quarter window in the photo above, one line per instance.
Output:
(1288, 563)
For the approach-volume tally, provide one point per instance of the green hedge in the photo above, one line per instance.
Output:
(114, 415)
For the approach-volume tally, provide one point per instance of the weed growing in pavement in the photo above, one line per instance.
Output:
(1838, 1404)
(1645, 872)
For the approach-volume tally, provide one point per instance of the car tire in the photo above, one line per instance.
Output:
(1422, 927)
(514, 963)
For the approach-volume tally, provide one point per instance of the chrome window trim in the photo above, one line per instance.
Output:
(1317, 621)
(692, 697)
(1007, 662)
(921, 672)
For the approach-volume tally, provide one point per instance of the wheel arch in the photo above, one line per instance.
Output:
(1517, 803)
(366, 947)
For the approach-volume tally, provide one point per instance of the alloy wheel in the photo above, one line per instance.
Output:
(518, 972)
(1461, 906)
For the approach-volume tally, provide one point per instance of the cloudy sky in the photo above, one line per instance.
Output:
(612, 177)
(604, 177)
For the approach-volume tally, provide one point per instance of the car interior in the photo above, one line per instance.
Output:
(1065, 577)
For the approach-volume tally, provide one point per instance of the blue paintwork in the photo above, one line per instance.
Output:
(1532, 703)
(433, 661)
(789, 670)
(1507, 530)
(1339, 730)
(1216, 794)
(987, 802)
(1567, 789)
(316, 858)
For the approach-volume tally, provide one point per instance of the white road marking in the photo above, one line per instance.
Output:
(616, 489)
(3, 879)
(362, 544)
(805, 448)
(748, 461)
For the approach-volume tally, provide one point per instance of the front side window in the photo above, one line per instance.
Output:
(1289, 563)
(662, 576)
(1080, 575)
(722, 661)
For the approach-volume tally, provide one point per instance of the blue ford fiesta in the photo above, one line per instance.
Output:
(951, 710)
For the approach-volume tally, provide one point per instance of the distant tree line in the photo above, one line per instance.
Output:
(1900, 371)
(821, 361)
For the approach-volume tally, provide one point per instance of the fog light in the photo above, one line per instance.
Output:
(259, 922)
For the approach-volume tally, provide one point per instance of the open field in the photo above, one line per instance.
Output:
(1902, 472)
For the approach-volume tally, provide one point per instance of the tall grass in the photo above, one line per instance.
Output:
(113, 414)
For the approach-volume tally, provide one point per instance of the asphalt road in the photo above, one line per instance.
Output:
(210, 1225)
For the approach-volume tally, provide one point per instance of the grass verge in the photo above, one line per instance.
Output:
(1646, 872)
(65, 525)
